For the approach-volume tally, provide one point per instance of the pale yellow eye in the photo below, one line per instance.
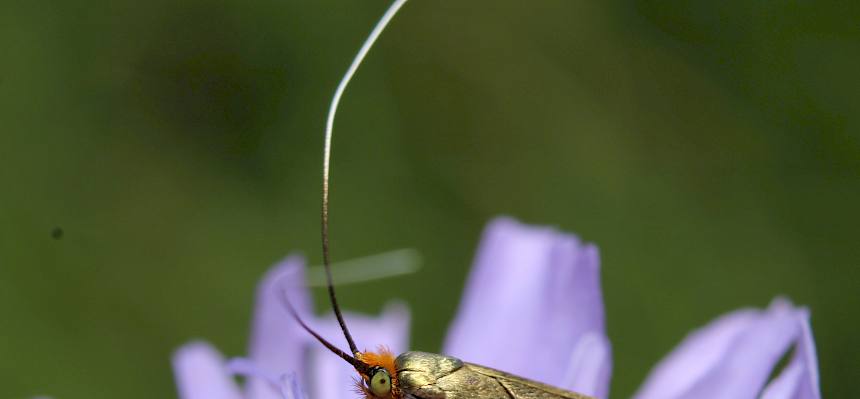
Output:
(380, 383)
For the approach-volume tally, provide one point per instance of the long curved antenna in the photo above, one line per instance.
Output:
(362, 367)
(329, 128)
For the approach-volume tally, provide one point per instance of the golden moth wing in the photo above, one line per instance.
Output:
(522, 388)
(461, 383)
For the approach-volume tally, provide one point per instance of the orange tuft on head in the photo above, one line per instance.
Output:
(383, 357)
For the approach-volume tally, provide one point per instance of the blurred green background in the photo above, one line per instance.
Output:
(710, 149)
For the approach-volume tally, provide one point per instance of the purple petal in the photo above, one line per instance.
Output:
(246, 368)
(201, 373)
(277, 341)
(287, 385)
(331, 377)
(290, 387)
(799, 380)
(590, 366)
(532, 297)
(730, 358)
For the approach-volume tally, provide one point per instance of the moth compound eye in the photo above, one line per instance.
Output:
(380, 383)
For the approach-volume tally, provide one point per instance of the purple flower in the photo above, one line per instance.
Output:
(529, 285)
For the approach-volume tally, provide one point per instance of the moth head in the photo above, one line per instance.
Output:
(380, 380)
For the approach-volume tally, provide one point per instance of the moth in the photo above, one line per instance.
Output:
(411, 375)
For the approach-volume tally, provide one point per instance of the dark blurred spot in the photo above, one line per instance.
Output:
(214, 83)
(57, 233)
